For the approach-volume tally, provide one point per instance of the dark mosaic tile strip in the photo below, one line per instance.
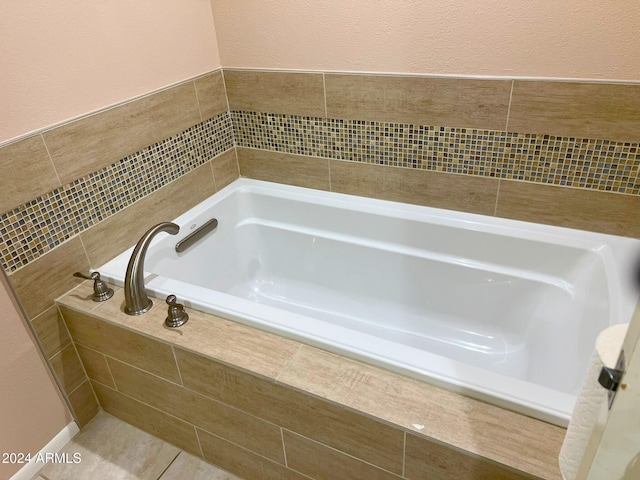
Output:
(576, 162)
(32, 229)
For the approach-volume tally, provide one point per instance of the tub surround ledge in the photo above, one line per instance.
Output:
(317, 401)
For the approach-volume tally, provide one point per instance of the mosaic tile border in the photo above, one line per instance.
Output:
(575, 162)
(36, 227)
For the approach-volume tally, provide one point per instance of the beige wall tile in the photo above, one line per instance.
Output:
(427, 460)
(242, 462)
(570, 207)
(275, 92)
(51, 331)
(48, 277)
(94, 142)
(465, 423)
(68, 368)
(166, 427)
(96, 366)
(433, 189)
(285, 168)
(27, 172)
(122, 230)
(225, 168)
(325, 422)
(232, 424)
(84, 403)
(572, 109)
(125, 345)
(324, 463)
(447, 102)
(212, 96)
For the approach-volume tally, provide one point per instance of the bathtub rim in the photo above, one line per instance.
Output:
(159, 287)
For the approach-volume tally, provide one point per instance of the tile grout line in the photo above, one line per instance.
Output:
(404, 454)
(506, 126)
(285, 367)
(195, 429)
(53, 164)
(495, 209)
(175, 359)
(169, 466)
(284, 448)
(324, 89)
(195, 89)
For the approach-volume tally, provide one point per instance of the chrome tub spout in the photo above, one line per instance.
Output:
(135, 297)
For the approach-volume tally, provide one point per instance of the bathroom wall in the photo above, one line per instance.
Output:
(77, 192)
(572, 39)
(85, 190)
(63, 60)
(560, 153)
(103, 105)
(33, 411)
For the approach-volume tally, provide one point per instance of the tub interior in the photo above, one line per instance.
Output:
(494, 297)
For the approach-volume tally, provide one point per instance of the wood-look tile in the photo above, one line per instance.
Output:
(275, 92)
(48, 277)
(96, 366)
(426, 460)
(591, 210)
(27, 172)
(193, 468)
(215, 417)
(122, 230)
(236, 344)
(225, 168)
(508, 438)
(84, 403)
(212, 96)
(284, 168)
(433, 189)
(96, 141)
(125, 345)
(155, 422)
(447, 102)
(68, 368)
(242, 462)
(574, 109)
(324, 463)
(51, 331)
(325, 422)
(129, 453)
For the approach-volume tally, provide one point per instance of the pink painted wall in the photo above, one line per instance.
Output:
(33, 411)
(580, 39)
(61, 60)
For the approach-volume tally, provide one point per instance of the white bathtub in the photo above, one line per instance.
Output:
(499, 310)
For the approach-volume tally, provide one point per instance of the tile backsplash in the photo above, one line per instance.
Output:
(575, 162)
(471, 127)
(562, 153)
(36, 227)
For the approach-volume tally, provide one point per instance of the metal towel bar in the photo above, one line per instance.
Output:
(193, 237)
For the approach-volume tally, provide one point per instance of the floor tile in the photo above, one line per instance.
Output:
(193, 468)
(111, 449)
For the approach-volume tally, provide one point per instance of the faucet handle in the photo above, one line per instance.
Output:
(101, 290)
(176, 316)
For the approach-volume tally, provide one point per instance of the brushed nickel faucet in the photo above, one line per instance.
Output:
(135, 298)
